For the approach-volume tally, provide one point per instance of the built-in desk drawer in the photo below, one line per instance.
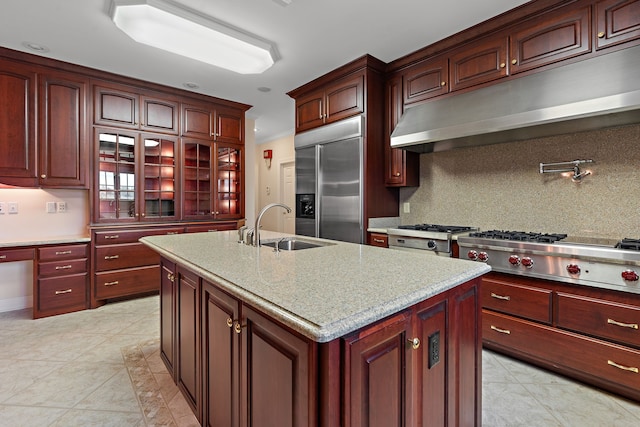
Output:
(62, 294)
(605, 319)
(10, 255)
(127, 282)
(53, 253)
(115, 257)
(519, 300)
(64, 267)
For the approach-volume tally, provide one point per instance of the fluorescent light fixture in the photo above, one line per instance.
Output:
(175, 28)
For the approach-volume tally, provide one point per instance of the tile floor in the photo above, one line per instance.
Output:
(102, 368)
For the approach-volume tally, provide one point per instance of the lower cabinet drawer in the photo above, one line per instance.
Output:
(66, 292)
(10, 255)
(114, 257)
(58, 268)
(518, 300)
(607, 365)
(127, 282)
(53, 253)
(599, 318)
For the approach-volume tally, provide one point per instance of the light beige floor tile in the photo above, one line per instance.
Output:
(115, 395)
(17, 375)
(84, 418)
(511, 405)
(25, 416)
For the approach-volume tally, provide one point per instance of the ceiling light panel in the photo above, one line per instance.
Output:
(174, 28)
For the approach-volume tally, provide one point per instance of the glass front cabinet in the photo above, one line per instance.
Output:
(212, 180)
(136, 177)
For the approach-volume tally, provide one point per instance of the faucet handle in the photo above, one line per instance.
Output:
(241, 233)
(248, 238)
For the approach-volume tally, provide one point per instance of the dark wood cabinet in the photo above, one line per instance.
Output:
(168, 298)
(17, 124)
(336, 101)
(550, 38)
(425, 80)
(379, 239)
(479, 62)
(402, 166)
(586, 333)
(63, 148)
(213, 123)
(616, 22)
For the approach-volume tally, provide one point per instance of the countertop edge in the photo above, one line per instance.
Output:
(52, 241)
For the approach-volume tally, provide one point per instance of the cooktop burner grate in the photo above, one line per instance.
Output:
(519, 236)
(629, 244)
(436, 228)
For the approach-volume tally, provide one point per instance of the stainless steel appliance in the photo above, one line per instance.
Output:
(329, 193)
(605, 263)
(433, 238)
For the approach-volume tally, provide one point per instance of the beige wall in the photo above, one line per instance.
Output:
(269, 179)
(500, 187)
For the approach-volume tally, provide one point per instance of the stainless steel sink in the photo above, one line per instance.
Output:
(293, 244)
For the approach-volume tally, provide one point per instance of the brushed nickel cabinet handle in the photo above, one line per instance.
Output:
(63, 267)
(111, 257)
(3, 257)
(502, 331)
(113, 236)
(624, 368)
(115, 282)
(63, 252)
(624, 325)
(501, 297)
(378, 240)
(66, 291)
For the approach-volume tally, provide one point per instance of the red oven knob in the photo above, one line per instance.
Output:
(527, 262)
(483, 256)
(472, 255)
(573, 269)
(514, 260)
(630, 275)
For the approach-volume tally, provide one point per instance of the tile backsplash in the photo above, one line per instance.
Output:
(499, 186)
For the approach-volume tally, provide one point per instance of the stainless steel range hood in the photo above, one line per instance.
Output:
(596, 93)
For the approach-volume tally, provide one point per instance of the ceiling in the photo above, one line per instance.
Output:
(311, 36)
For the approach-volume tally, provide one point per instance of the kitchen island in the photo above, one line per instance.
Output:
(335, 335)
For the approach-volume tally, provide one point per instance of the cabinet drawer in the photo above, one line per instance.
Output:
(599, 318)
(115, 257)
(379, 239)
(607, 365)
(66, 292)
(518, 300)
(9, 255)
(130, 236)
(62, 268)
(211, 227)
(127, 282)
(62, 252)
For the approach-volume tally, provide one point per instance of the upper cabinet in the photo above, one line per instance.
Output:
(17, 124)
(336, 101)
(212, 122)
(120, 106)
(425, 80)
(479, 62)
(403, 167)
(617, 21)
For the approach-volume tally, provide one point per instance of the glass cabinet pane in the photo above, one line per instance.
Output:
(116, 176)
(159, 178)
(197, 179)
(229, 181)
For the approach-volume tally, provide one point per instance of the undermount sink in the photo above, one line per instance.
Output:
(293, 244)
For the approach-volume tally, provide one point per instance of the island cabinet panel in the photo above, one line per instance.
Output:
(168, 290)
(616, 21)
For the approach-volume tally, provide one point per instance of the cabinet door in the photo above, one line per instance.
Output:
(275, 362)
(168, 299)
(229, 182)
(197, 121)
(159, 178)
(115, 195)
(17, 124)
(115, 107)
(310, 111)
(159, 115)
(229, 125)
(550, 38)
(617, 21)
(378, 361)
(188, 339)
(426, 80)
(344, 98)
(63, 139)
(197, 185)
(402, 166)
(221, 358)
(479, 62)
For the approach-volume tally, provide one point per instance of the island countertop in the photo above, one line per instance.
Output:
(324, 292)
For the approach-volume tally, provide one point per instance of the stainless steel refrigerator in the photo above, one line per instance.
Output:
(329, 193)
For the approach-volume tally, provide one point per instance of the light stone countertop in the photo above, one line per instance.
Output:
(324, 292)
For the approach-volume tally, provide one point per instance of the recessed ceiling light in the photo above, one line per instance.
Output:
(191, 85)
(264, 89)
(35, 47)
(175, 28)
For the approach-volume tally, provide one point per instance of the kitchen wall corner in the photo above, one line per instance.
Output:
(251, 170)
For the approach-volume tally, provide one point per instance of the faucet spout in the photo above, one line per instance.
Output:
(256, 232)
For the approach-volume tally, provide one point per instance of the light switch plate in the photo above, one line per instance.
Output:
(62, 206)
(3, 208)
(406, 207)
(51, 207)
(13, 207)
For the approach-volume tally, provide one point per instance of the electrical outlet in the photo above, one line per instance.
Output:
(3, 208)
(406, 207)
(13, 207)
(62, 206)
(51, 207)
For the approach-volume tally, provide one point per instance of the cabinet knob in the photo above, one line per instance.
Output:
(238, 327)
(443, 84)
(396, 174)
(502, 65)
(514, 61)
(601, 34)
(43, 176)
(415, 343)
(229, 322)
